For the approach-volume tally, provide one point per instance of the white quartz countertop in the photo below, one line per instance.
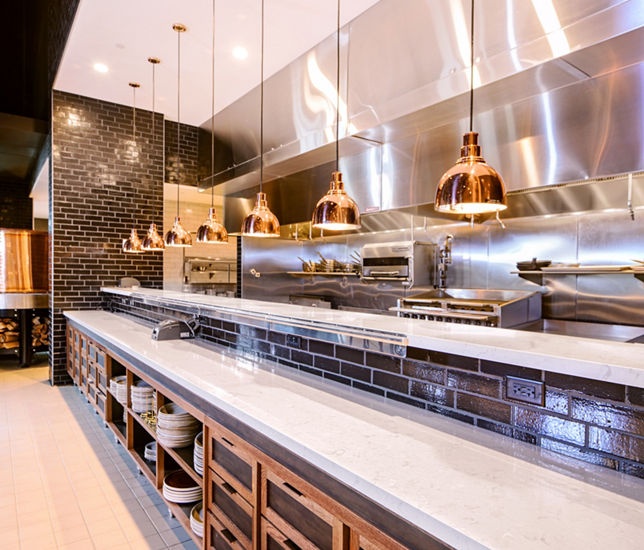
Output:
(468, 487)
(616, 362)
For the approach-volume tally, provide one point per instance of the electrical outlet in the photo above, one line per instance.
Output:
(526, 391)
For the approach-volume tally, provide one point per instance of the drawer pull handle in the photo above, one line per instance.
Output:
(293, 489)
(226, 441)
(229, 488)
(229, 536)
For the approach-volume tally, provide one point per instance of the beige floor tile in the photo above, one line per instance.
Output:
(86, 544)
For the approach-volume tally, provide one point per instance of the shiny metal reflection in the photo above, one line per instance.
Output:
(211, 231)
(132, 245)
(178, 236)
(336, 211)
(471, 186)
(153, 241)
(261, 222)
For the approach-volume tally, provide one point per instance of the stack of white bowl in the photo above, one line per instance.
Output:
(196, 519)
(179, 487)
(119, 389)
(175, 427)
(198, 454)
(142, 397)
(150, 451)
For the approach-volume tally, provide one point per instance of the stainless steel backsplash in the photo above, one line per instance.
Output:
(484, 254)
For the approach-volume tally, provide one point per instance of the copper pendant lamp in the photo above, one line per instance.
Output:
(261, 222)
(153, 241)
(178, 236)
(470, 186)
(211, 231)
(336, 211)
(132, 245)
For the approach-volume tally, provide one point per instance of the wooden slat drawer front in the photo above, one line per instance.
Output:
(232, 460)
(100, 403)
(101, 380)
(91, 350)
(219, 537)
(83, 345)
(100, 358)
(274, 539)
(231, 509)
(301, 519)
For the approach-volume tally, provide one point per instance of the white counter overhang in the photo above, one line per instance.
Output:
(617, 362)
(469, 487)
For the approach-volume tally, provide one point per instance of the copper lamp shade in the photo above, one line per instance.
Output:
(470, 186)
(178, 236)
(261, 222)
(336, 210)
(211, 231)
(153, 240)
(132, 245)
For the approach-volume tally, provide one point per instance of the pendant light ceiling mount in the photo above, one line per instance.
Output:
(153, 241)
(336, 211)
(261, 222)
(177, 236)
(133, 245)
(471, 186)
(211, 231)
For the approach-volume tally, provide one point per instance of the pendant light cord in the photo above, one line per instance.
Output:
(337, 102)
(153, 101)
(472, 68)
(261, 109)
(178, 115)
(212, 120)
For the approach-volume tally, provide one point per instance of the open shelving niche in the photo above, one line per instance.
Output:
(537, 276)
(135, 433)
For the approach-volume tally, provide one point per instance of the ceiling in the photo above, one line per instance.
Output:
(122, 34)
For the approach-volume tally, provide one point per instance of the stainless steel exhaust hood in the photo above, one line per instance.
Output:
(560, 98)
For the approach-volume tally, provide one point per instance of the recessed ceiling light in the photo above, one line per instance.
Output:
(100, 67)
(239, 52)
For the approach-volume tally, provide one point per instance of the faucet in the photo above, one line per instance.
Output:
(445, 259)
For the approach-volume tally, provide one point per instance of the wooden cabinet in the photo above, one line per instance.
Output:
(251, 501)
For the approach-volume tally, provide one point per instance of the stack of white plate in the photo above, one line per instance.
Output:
(150, 451)
(175, 427)
(196, 519)
(179, 487)
(119, 389)
(198, 454)
(142, 396)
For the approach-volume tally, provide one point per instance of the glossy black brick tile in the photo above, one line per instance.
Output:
(421, 371)
(441, 358)
(326, 363)
(321, 348)
(616, 443)
(337, 378)
(635, 396)
(480, 406)
(451, 414)
(384, 362)
(557, 402)
(349, 354)
(504, 369)
(301, 357)
(474, 383)
(391, 381)
(552, 426)
(405, 399)
(607, 415)
(280, 351)
(355, 372)
(432, 393)
(368, 388)
(579, 453)
(277, 338)
(508, 431)
(597, 388)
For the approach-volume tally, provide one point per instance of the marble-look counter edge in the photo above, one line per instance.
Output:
(616, 362)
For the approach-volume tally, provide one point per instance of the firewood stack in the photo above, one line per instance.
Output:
(9, 333)
(40, 332)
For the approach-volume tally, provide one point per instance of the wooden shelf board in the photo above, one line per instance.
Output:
(184, 459)
(146, 427)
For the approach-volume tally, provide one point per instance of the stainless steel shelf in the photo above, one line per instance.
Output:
(537, 276)
(323, 273)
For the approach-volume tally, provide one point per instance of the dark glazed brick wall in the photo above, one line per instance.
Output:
(594, 421)
(191, 171)
(15, 206)
(99, 188)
